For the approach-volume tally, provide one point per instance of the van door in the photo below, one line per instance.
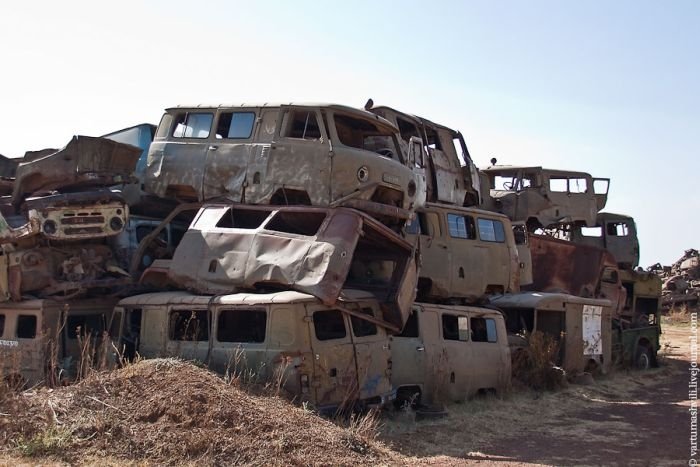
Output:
(298, 169)
(188, 333)
(408, 361)
(176, 165)
(239, 341)
(228, 154)
(455, 368)
(486, 344)
(373, 354)
(334, 379)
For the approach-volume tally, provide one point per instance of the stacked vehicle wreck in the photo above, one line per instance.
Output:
(355, 255)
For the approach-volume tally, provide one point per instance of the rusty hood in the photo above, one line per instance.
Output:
(84, 162)
(319, 251)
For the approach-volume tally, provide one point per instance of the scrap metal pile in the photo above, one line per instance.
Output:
(681, 280)
(350, 245)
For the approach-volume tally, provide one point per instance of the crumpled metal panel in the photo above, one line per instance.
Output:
(84, 161)
(348, 249)
(581, 270)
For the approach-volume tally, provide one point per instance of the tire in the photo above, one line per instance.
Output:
(643, 360)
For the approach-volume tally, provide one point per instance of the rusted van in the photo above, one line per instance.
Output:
(329, 356)
(451, 176)
(466, 253)
(582, 326)
(450, 352)
(317, 154)
(31, 330)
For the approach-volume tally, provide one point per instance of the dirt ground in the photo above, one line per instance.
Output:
(626, 418)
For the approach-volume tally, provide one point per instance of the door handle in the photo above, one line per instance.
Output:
(420, 348)
(213, 148)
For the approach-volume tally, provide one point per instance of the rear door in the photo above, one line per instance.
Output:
(334, 379)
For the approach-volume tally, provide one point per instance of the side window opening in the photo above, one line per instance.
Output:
(617, 229)
(300, 124)
(164, 126)
(26, 326)
(419, 225)
(596, 231)
(242, 219)
(407, 130)
(235, 125)
(84, 325)
(505, 182)
(247, 326)
(578, 185)
(2, 325)
(329, 324)
(455, 328)
(600, 186)
(361, 134)
(410, 329)
(520, 234)
(558, 185)
(491, 230)
(461, 226)
(300, 223)
(433, 141)
(189, 325)
(193, 125)
(362, 327)
(484, 330)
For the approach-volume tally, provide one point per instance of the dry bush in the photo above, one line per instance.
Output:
(535, 365)
(679, 314)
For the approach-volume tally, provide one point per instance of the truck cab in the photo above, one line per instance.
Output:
(543, 197)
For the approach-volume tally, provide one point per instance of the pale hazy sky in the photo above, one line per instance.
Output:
(610, 88)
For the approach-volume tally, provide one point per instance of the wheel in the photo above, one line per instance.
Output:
(642, 360)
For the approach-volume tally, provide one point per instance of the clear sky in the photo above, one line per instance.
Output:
(610, 88)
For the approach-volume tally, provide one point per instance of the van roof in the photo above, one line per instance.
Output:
(557, 172)
(361, 113)
(460, 308)
(539, 299)
(473, 210)
(243, 298)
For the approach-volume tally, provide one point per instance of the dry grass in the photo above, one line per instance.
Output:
(678, 315)
(534, 366)
(166, 411)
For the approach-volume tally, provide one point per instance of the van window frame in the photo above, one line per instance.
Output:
(220, 313)
(174, 310)
(220, 113)
(36, 325)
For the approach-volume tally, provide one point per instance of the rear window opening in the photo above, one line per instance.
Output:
(92, 325)
(245, 326)
(242, 218)
(617, 229)
(189, 325)
(26, 326)
(300, 223)
(329, 324)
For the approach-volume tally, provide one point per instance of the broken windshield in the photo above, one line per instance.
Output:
(363, 134)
